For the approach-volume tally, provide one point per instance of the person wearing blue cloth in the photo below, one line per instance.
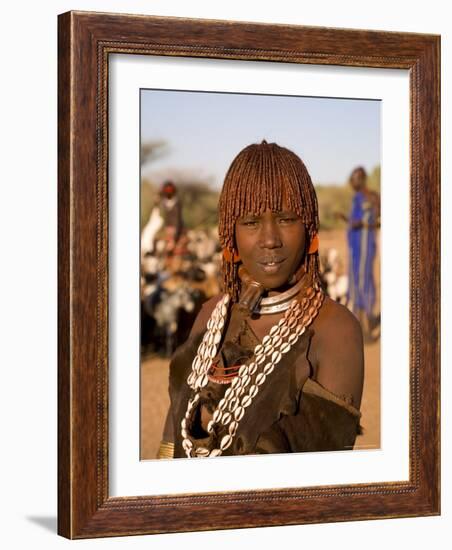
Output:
(363, 221)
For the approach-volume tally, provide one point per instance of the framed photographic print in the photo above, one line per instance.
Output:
(154, 115)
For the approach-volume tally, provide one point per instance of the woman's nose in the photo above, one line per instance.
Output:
(269, 237)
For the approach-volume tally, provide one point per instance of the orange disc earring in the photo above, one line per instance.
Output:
(314, 246)
(231, 256)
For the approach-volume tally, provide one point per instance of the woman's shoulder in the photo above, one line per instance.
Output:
(336, 320)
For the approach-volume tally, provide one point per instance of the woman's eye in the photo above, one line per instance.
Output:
(249, 223)
(287, 220)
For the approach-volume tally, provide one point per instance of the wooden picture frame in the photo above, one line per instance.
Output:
(85, 42)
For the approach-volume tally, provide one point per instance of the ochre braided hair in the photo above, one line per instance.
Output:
(261, 177)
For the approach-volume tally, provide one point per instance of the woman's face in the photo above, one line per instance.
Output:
(271, 245)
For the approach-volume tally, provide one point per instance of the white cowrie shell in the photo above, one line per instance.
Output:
(300, 330)
(246, 401)
(233, 428)
(266, 340)
(258, 349)
(260, 379)
(238, 415)
(243, 370)
(225, 442)
(276, 341)
(236, 383)
(268, 348)
(245, 381)
(269, 367)
(229, 393)
(233, 404)
(292, 322)
(285, 332)
(202, 451)
(253, 391)
(252, 368)
(285, 347)
(215, 452)
(196, 363)
(222, 404)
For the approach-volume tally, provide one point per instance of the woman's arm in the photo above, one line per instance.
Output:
(166, 448)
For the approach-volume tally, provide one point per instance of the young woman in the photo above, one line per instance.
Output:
(272, 364)
(363, 221)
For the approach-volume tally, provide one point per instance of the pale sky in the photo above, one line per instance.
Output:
(205, 130)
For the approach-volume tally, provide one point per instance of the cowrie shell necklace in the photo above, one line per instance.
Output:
(251, 376)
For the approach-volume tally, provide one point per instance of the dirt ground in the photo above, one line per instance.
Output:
(154, 380)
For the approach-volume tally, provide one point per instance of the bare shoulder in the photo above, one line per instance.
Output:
(203, 316)
(336, 320)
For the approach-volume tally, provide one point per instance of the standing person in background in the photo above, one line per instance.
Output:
(363, 221)
(171, 212)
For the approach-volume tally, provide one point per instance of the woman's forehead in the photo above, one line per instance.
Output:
(276, 211)
(270, 206)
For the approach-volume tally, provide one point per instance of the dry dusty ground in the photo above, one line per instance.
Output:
(154, 381)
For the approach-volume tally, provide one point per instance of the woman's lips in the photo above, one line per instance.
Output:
(271, 266)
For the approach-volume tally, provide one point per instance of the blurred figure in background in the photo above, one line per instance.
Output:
(171, 212)
(165, 223)
(333, 276)
(363, 221)
(179, 271)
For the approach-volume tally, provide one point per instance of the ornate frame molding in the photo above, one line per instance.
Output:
(85, 42)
